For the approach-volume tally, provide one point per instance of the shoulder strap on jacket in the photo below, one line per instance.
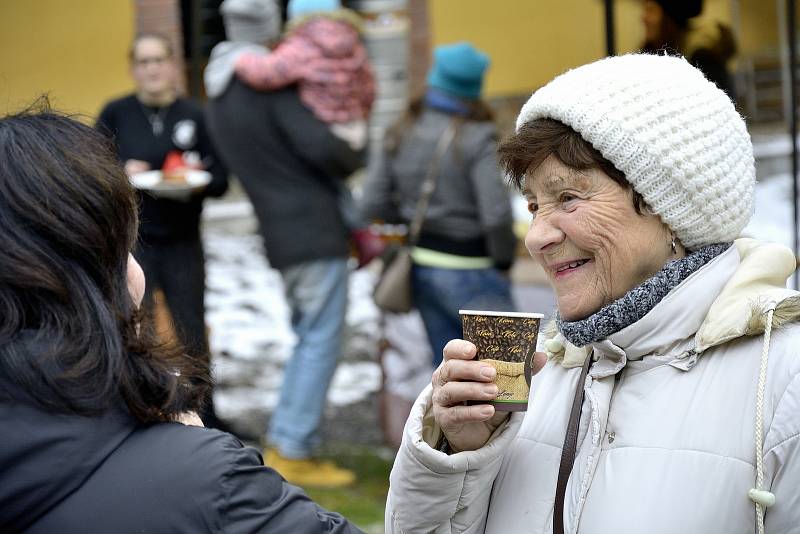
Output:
(429, 184)
(569, 449)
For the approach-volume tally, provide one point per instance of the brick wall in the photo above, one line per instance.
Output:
(164, 17)
(419, 43)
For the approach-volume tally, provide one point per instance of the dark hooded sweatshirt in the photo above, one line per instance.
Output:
(71, 474)
(291, 166)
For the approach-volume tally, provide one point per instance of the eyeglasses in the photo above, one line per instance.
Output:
(144, 61)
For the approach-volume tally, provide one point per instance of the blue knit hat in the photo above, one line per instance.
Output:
(298, 8)
(458, 69)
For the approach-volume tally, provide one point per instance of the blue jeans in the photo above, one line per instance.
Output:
(440, 293)
(317, 296)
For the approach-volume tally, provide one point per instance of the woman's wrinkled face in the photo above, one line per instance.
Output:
(586, 234)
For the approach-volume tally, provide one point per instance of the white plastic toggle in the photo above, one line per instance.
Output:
(763, 497)
(553, 346)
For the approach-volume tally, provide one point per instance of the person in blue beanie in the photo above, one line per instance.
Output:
(467, 244)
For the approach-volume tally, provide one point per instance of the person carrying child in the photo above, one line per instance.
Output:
(322, 52)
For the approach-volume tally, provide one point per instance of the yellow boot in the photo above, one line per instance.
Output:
(308, 471)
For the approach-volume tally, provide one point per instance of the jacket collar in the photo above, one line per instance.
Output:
(679, 314)
(758, 285)
(671, 323)
(724, 300)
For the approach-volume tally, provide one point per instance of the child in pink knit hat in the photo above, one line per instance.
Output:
(323, 54)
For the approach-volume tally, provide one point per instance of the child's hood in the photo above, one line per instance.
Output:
(334, 38)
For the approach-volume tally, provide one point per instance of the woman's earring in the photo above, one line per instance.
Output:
(674, 248)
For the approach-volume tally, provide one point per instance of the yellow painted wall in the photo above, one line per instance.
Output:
(75, 50)
(760, 31)
(531, 41)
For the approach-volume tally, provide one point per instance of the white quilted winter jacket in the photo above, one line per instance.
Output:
(667, 439)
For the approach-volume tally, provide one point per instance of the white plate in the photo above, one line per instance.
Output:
(154, 181)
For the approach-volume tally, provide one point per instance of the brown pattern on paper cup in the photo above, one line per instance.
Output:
(507, 341)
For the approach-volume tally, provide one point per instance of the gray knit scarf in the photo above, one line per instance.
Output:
(637, 302)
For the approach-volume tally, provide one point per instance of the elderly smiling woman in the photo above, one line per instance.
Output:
(669, 397)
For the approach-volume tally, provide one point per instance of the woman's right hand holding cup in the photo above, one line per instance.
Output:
(460, 378)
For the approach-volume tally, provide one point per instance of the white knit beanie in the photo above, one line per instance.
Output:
(675, 135)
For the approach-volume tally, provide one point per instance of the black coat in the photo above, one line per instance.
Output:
(291, 166)
(70, 474)
(125, 120)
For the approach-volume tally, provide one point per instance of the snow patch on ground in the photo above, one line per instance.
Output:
(250, 333)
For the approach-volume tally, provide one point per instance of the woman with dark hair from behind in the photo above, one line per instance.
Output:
(90, 404)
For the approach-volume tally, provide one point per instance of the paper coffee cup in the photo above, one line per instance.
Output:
(506, 341)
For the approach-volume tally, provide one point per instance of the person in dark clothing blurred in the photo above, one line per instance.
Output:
(672, 26)
(92, 405)
(292, 168)
(147, 126)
